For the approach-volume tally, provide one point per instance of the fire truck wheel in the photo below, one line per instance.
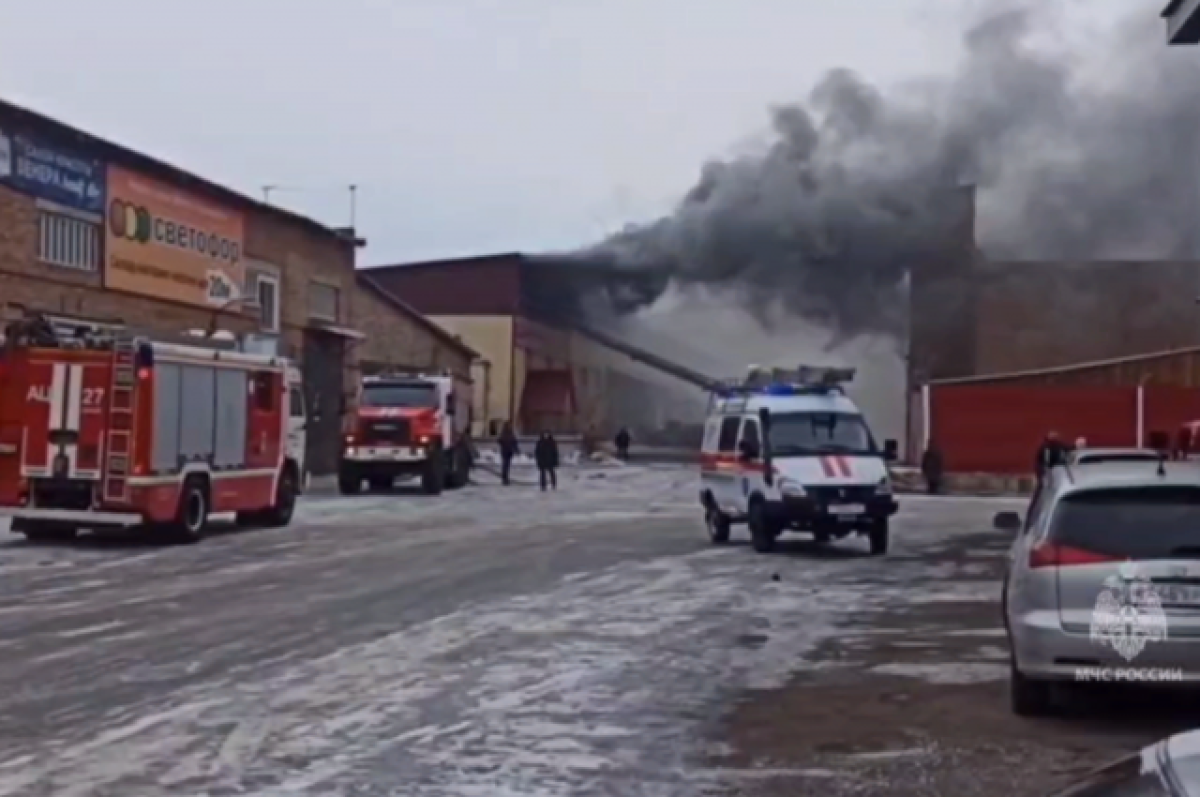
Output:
(280, 514)
(192, 516)
(460, 468)
(433, 477)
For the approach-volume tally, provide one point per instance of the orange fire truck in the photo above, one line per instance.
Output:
(101, 428)
(411, 424)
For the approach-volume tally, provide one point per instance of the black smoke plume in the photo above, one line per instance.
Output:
(1085, 153)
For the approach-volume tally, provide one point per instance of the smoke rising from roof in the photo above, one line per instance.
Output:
(1086, 153)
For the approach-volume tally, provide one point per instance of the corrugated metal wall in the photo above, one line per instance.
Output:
(996, 428)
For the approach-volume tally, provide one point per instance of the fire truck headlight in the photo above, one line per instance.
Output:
(791, 488)
(351, 451)
(884, 487)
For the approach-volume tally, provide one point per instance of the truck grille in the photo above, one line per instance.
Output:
(389, 431)
(843, 495)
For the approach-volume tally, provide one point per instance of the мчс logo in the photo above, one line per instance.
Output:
(1128, 613)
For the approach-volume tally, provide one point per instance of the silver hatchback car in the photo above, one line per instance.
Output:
(1103, 581)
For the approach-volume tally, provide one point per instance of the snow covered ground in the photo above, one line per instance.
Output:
(495, 641)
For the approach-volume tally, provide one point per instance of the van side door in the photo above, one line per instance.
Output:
(749, 459)
(728, 489)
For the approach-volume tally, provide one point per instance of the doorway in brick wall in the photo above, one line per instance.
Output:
(324, 373)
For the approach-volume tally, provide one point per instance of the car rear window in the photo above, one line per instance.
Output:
(1131, 523)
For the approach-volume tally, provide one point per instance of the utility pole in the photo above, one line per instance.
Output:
(353, 204)
(267, 189)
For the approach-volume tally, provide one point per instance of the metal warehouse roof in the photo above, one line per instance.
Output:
(154, 167)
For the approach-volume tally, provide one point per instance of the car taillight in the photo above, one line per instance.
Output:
(1049, 554)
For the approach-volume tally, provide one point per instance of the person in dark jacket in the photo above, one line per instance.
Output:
(545, 454)
(1050, 453)
(622, 441)
(932, 468)
(508, 449)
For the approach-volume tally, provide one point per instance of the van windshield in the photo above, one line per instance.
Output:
(400, 394)
(796, 434)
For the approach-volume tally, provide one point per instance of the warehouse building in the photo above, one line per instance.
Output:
(977, 324)
(538, 368)
(92, 231)
(398, 338)
(970, 315)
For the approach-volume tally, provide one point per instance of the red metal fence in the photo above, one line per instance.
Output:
(997, 428)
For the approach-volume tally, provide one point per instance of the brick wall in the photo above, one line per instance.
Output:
(26, 282)
(396, 339)
(1041, 315)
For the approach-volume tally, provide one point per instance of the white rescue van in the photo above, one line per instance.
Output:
(788, 450)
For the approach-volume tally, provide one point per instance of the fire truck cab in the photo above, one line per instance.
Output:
(788, 450)
(409, 425)
(105, 428)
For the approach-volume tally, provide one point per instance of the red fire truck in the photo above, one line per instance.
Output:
(409, 425)
(103, 428)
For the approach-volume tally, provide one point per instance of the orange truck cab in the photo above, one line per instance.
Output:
(409, 425)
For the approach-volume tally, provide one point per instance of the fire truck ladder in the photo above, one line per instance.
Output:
(118, 451)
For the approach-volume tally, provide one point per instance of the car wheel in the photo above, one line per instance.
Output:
(1029, 697)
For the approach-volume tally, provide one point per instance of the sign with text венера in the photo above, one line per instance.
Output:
(51, 173)
(171, 244)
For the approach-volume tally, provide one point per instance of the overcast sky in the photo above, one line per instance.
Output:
(470, 126)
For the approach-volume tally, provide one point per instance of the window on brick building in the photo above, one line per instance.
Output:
(323, 301)
(68, 241)
(263, 287)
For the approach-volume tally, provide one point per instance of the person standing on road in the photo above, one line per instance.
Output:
(931, 468)
(545, 454)
(622, 441)
(508, 449)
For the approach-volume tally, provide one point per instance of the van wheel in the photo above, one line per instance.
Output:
(1029, 697)
(718, 526)
(762, 534)
(191, 518)
(878, 536)
(281, 512)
